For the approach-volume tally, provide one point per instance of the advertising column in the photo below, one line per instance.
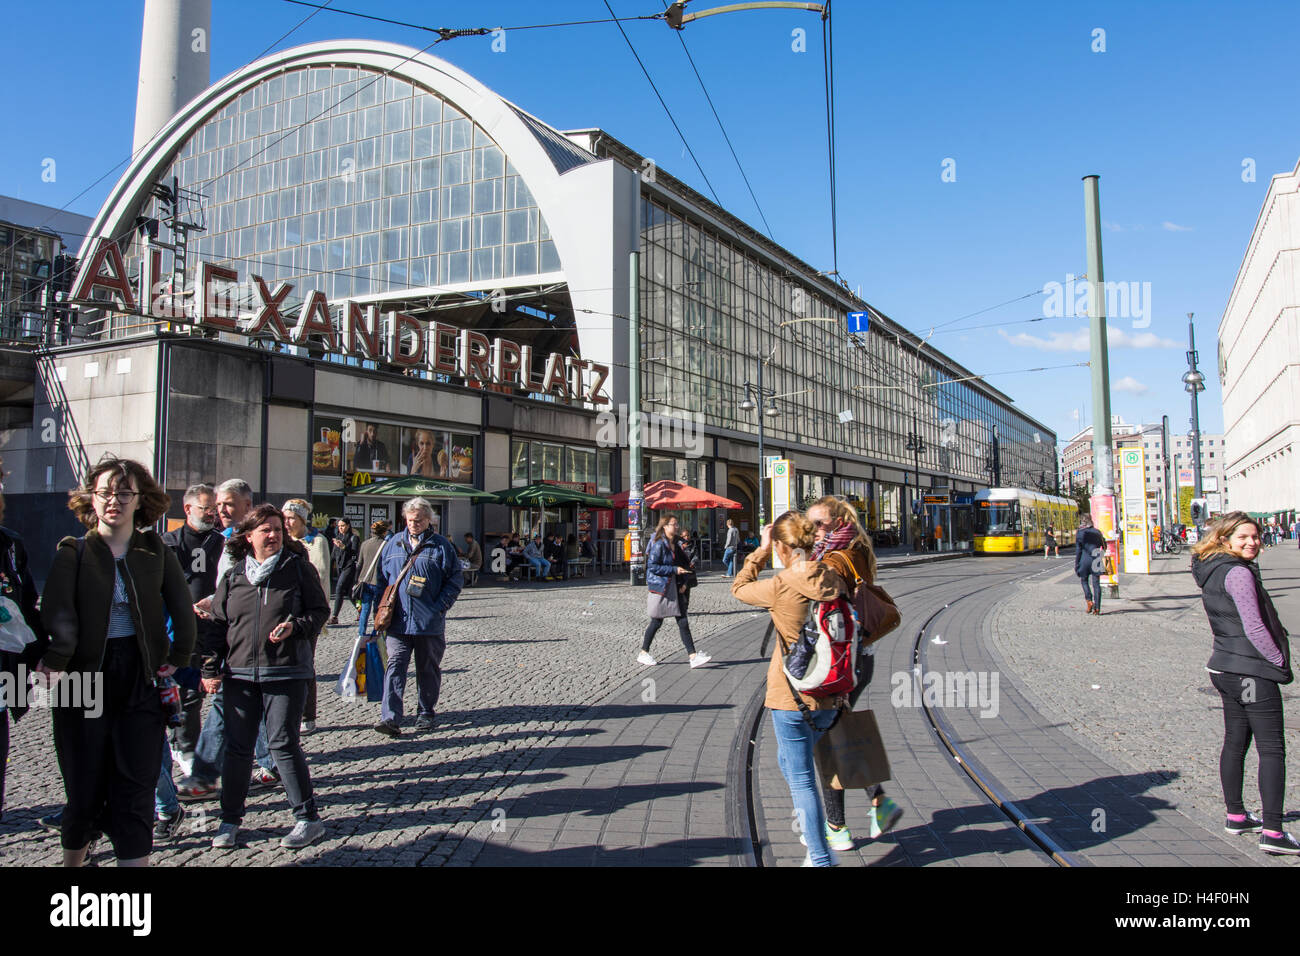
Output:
(782, 481)
(1133, 492)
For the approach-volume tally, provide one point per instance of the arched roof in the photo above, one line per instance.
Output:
(540, 154)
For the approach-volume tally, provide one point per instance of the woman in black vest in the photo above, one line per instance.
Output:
(1250, 660)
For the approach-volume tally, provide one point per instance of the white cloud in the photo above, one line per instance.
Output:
(1111, 226)
(1079, 341)
(1174, 227)
(1129, 384)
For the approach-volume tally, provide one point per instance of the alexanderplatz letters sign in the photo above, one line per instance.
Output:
(449, 350)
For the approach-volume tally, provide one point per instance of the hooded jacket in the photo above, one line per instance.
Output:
(1233, 653)
(246, 614)
(787, 595)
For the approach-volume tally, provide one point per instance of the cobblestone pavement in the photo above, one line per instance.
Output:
(1131, 684)
(523, 661)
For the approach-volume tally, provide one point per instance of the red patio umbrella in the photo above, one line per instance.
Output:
(668, 495)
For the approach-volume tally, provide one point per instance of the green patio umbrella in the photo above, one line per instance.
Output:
(413, 485)
(543, 495)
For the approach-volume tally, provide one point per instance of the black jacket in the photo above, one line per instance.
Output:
(78, 600)
(246, 615)
(1233, 652)
(199, 553)
(345, 553)
(17, 585)
(1087, 543)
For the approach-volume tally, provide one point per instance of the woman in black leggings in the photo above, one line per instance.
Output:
(1250, 660)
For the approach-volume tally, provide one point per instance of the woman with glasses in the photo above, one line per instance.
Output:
(104, 606)
(839, 540)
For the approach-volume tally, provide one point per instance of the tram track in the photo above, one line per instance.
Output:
(746, 813)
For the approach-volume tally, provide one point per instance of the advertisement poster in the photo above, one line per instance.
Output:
(327, 447)
(1103, 518)
(430, 453)
(373, 447)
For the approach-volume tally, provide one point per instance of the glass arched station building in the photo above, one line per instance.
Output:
(349, 261)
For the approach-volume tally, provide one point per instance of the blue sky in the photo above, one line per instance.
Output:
(1013, 93)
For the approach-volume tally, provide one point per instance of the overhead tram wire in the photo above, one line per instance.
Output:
(828, 67)
(127, 159)
(662, 102)
(448, 33)
(707, 97)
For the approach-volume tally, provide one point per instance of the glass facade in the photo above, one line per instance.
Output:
(354, 183)
(711, 311)
(532, 461)
(26, 259)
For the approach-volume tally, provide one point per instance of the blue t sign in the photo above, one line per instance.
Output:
(858, 321)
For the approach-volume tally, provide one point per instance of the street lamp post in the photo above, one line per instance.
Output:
(916, 445)
(760, 393)
(1194, 382)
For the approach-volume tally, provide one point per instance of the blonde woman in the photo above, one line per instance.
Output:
(297, 523)
(787, 595)
(1250, 660)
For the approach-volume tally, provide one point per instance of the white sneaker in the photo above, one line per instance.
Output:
(186, 764)
(807, 859)
(700, 659)
(645, 658)
(304, 833)
(308, 727)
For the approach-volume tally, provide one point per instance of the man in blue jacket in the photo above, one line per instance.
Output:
(1090, 562)
(424, 596)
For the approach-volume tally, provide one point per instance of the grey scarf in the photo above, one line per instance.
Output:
(257, 573)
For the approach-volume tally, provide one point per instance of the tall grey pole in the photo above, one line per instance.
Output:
(762, 478)
(634, 501)
(1196, 411)
(1170, 490)
(1103, 465)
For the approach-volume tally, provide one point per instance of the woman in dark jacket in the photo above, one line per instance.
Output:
(16, 584)
(666, 565)
(1251, 659)
(267, 609)
(347, 547)
(103, 606)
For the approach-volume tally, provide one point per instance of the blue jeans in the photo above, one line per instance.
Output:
(427, 650)
(369, 599)
(164, 797)
(210, 754)
(540, 565)
(729, 561)
(794, 752)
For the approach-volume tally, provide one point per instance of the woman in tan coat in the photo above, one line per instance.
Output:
(788, 595)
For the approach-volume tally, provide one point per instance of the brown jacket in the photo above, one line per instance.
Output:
(787, 595)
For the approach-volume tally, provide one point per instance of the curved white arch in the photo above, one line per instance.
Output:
(587, 209)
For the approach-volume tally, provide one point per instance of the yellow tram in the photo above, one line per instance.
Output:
(1015, 521)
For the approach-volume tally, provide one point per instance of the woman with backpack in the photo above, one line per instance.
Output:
(105, 606)
(787, 596)
(267, 611)
(668, 577)
(1250, 660)
(840, 538)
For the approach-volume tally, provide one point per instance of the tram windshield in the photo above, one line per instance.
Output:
(997, 517)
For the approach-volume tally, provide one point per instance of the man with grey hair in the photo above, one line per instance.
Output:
(425, 592)
(198, 546)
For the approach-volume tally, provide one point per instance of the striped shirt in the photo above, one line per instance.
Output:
(120, 623)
